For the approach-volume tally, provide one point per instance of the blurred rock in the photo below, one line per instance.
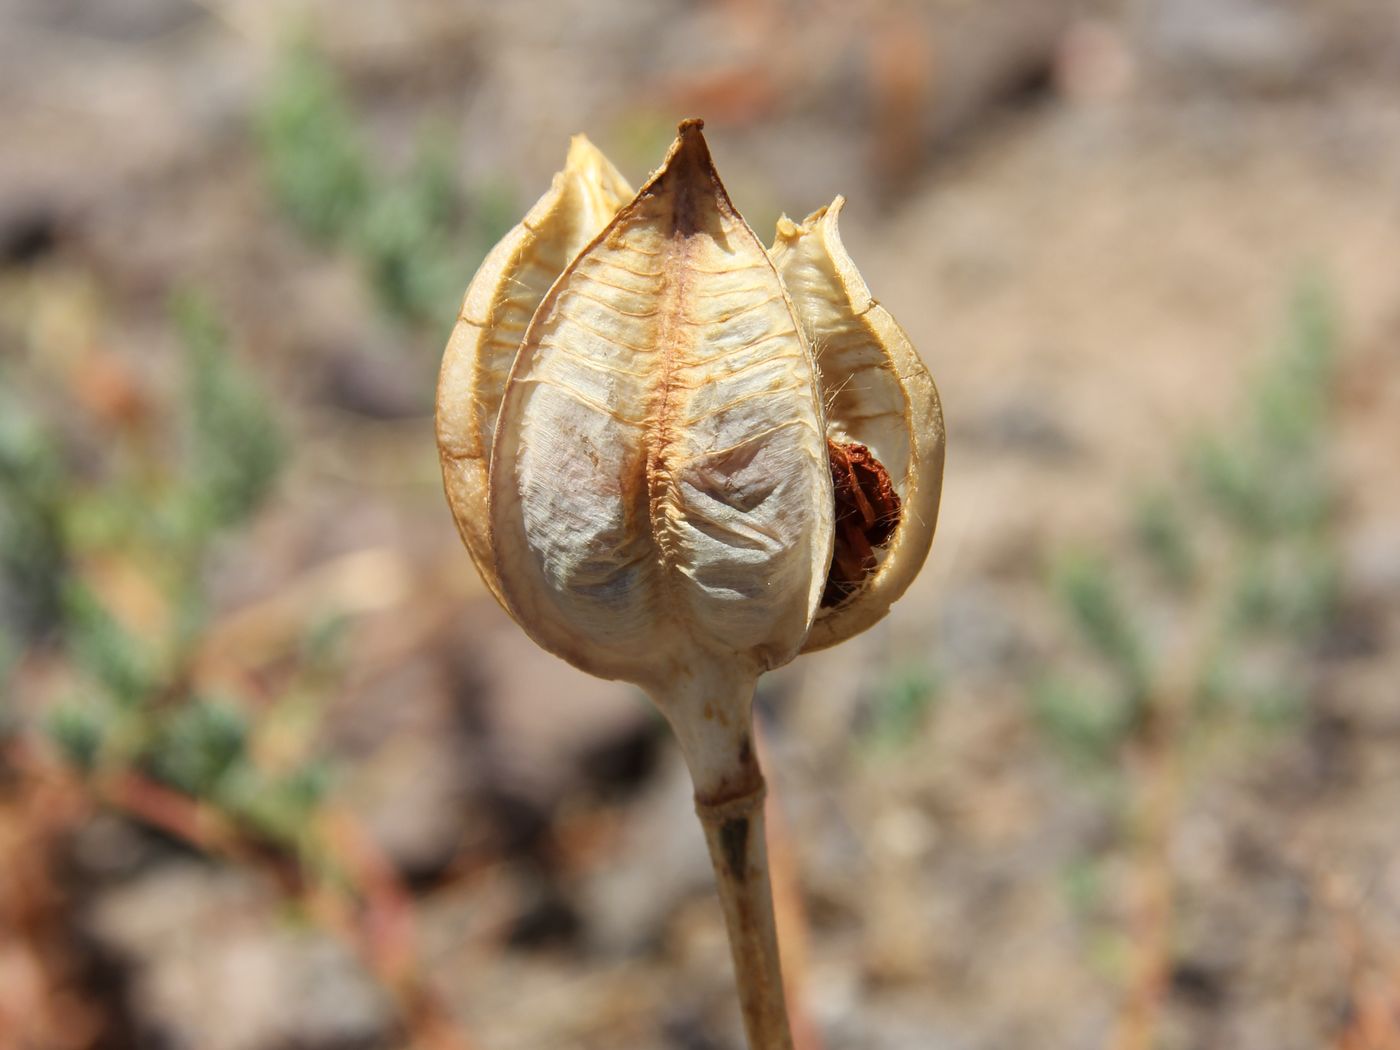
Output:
(545, 918)
(937, 72)
(29, 230)
(1022, 420)
(1240, 45)
(1094, 63)
(979, 632)
(108, 850)
(371, 385)
(130, 21)
(544, 721)
(471, 746)
(408, 766)
(895, 1029)
(217, 968)
(689, 1030)
(659, 861)
(1371, 563)
(616, 765)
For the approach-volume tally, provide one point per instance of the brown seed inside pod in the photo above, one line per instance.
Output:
(867, 514)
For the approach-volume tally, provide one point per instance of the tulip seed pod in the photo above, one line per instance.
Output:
(679, 459)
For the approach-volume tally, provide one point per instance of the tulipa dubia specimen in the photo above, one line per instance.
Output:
(679, 460)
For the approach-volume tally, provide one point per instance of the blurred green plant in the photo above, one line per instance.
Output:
(1164, 538)
(406, 236)
(1200, 628)
(317, 166)
(415, 235)
(1088, 721)
(234, 448)
(1086, 724)
(1234, 565)
(33, 560)
(117, 663)
(901, 703)
(158, 511)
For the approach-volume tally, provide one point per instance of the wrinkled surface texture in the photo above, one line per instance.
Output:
(648, 425)
(660, 491)
(496, 311)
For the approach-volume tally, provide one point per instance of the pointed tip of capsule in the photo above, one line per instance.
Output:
(581, 151)
(789, 232)
(689, 150)
(687, 177)
(587, 169)
(827, 214)
(826, 220)
(586, 159)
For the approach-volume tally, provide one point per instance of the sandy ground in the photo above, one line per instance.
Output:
(1093, 246)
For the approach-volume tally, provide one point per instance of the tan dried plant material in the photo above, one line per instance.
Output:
(883, 414)
(679, 459)
(660, 494)
(496, 310)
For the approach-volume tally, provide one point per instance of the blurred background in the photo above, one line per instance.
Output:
(1123, 768)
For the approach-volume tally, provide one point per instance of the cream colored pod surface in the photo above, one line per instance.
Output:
(884, 422)
(660, 496)
(496, 310)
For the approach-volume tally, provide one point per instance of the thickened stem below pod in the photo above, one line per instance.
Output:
(734, 831)
(711, 711)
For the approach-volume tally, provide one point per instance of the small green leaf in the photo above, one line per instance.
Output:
(199, 745)
(236, 449)
(79, 731)
(1090, 597)
(315, 160)
(1087, 726)
(1162, 534)
(105, 649)
(901, 704)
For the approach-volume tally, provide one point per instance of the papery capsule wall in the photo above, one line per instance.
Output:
(496, 311)
(660, 493)
(878, 394)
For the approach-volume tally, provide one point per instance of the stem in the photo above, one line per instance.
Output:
(734, 831)
(712, 717)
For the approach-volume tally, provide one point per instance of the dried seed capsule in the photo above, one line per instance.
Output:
(659, 483)
(495, 312)
(883, 420)
(660, 494)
